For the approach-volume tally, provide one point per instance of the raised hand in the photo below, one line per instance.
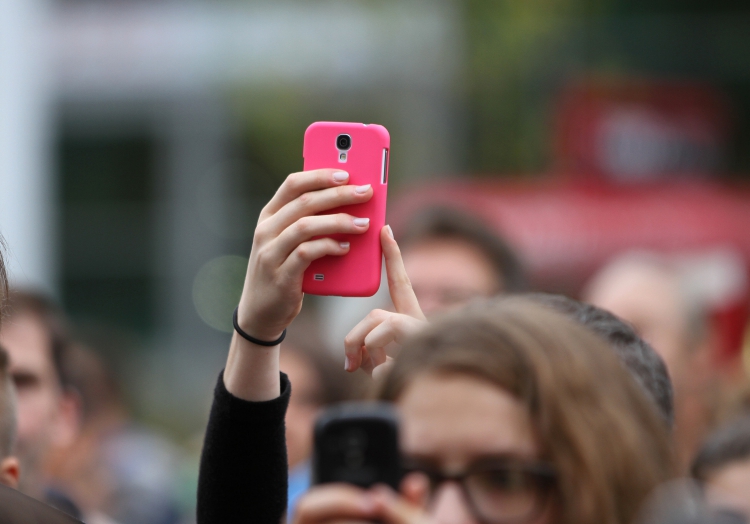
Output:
(365, 344)
(284, 245)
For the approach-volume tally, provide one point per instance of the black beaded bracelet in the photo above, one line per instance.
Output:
(252, 339)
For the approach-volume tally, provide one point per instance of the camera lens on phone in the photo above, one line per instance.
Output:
(343, 142)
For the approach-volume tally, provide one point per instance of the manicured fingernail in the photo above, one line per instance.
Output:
(346, 363)
(390, 231)
(362, 189)
(344, 245)
(361, 222)
(340, 176)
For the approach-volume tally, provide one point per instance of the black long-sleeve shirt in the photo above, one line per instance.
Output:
(243, 472)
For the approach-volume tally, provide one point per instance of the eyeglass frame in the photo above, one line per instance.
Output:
(541, 470)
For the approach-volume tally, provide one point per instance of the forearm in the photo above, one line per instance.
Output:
(243, 471)
(252, 371)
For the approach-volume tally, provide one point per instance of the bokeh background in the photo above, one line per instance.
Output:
(139, 141)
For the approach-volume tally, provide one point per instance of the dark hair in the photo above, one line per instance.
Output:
(607, 443)
(3, 278)
(8, 422)
(643, 362)
(730, 443)
(445, 222)
(52, 318)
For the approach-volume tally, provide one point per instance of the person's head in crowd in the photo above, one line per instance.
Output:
(532, 412)
(3, 277)
(644, 364)
(723, 466)
(653, 294)
(35, 335)
(318, 381)
(452, 257)
(9, 466)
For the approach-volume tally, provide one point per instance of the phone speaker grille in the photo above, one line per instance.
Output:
(319, 276)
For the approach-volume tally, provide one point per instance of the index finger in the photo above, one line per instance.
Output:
(297, 184)
(399, 285)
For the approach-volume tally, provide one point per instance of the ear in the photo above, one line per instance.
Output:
(10, 471)
(68, 420)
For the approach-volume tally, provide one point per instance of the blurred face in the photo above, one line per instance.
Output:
(303, 408)
(42, 420)
(447, 273)
(452, 424)
(729, 487)
(649, 300)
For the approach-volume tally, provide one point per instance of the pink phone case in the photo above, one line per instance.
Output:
(356, 274)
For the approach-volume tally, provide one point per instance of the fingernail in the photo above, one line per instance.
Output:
(346, 363)
(344, 245)
(390, 231)
(361, 222)
(362, 189)
(340, 176)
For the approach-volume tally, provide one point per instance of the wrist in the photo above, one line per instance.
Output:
(261, 337)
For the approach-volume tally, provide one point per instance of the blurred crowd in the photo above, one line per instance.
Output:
(67, 437)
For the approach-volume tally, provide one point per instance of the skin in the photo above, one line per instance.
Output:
(729, 487)
(47, 418)
(432, 266)
(284, 245)
(451, 422)
(291, 233)
(448, 422)
(10, 471)
(649, 298)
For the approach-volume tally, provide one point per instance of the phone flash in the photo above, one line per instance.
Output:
(342, 157)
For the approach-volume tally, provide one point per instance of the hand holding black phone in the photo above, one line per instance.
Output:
(357, 443)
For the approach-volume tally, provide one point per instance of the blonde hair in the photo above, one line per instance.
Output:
(605, 438)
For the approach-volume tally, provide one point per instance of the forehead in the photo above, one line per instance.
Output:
(27, 342)
(639, 290)
(456, 419)
(440, 257)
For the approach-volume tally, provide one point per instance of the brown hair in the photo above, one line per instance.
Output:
(3, 278)
(8, 424)
(605, 439)
(54, 321)
(450, 223)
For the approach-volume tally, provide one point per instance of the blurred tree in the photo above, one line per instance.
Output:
(520, 54)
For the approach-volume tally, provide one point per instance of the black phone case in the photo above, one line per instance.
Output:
(357, 443)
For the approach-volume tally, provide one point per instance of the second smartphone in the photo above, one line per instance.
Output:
(357, 443)
(362, 150)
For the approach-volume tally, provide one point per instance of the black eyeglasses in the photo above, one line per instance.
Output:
(500, 491)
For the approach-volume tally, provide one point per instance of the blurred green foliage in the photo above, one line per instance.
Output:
(521, 54)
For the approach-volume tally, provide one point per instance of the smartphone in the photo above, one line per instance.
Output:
(362, 150)
(357, 443)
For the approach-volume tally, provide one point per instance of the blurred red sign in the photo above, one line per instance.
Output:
(633, 131)
(564, 231)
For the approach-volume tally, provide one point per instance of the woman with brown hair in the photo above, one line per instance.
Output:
(510, 412)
